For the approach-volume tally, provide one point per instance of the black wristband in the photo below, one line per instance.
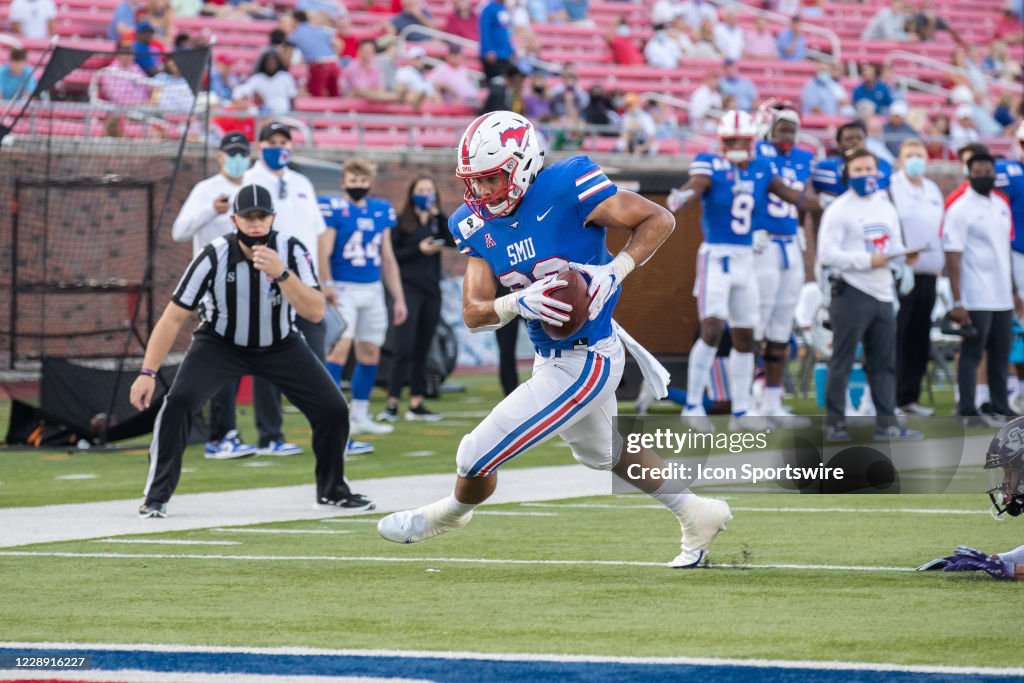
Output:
(283, 276)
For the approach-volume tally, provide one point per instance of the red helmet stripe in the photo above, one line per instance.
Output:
(469, 136)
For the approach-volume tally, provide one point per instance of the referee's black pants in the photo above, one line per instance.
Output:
(266, 395)
(413, 339)
(291, 365)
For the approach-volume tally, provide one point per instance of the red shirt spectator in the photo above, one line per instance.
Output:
(463, 21)
(624, 50)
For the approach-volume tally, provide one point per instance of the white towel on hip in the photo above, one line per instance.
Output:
(656, 376)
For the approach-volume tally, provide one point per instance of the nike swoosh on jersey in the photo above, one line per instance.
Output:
(544, 215)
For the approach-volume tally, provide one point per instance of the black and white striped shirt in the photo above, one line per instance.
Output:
(237, 301)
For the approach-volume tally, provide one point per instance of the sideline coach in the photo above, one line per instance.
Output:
(250, 284)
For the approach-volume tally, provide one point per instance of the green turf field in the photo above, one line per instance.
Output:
(794, 577)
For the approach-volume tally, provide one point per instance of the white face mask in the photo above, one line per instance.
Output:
(737, 156)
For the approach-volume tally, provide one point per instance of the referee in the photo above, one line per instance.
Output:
(251, 285)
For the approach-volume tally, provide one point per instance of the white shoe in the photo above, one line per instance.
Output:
(698, 420)
(783, 418)
(917, 409)
(411, 526)
(750, 423)
(368, 426)
(701, 522)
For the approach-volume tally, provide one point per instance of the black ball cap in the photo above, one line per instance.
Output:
(234, 142)
(253, 198)
(274, 128)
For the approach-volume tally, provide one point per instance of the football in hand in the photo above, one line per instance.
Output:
(575, 294)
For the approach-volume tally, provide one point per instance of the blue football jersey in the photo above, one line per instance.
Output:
(827, 175)
(544, 234)
(360, 232)
(1010, 181)
(777, 216)
(728, 205)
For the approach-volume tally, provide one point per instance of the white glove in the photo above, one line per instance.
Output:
(904, 275)
(760, 241)
(533, 303)
(604, 280)
(677, 199)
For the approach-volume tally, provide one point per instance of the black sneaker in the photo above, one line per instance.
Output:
(389, 414)
(147, 510)
(421, 414)
(353, 502)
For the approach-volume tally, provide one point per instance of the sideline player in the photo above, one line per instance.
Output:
(778, 254)
(358, 244)
(522, 225)
(827, 175)
(1010, 181)
(730, 186)
(1004, 461)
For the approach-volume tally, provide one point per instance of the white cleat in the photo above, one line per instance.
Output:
(368, 426)
(412, 526)
(697, 420)
(704, 519)
(750, 423)
(783, 418)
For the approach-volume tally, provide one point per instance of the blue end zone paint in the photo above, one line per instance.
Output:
(475, 670)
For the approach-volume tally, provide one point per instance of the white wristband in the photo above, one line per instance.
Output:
(623, 264)
(505, 307)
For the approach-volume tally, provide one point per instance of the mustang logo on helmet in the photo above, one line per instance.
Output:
(517, 134)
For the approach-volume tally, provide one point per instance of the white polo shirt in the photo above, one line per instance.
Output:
(852, 229)
(980, 228)
(920, 209)
(298, 214)
(198, 219)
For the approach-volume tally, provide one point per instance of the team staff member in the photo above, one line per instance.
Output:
(919, 203)
(203, 218)
(858, 232)
(976, 238)
(251, 285)
(299, 217)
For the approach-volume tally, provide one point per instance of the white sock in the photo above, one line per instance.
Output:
(1012, 558)
(981, 395)
(698, 371)
(771, 400)
(741, 376)
(673, 501)
(360, 409)
(456, 508)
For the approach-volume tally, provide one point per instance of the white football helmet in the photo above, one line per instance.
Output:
(736, 131)
(499, 143)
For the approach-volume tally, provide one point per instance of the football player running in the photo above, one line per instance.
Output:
(522, 225)
(730, 186)
(1004, 461)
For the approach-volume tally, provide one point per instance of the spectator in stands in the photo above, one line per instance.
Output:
(963, 129)
(791, 44)
(279, 45)
(32, 18)
(663, 12)
(937, 138)
(124, 82)
(347, 41)
(160, 15)
(839, 90)
(705, 47)
(873, 89)
(454, 82)
(148, 51)
(680, 32)
(1003, 113)
(729, 35)
(875, 140)
(237, 115)
(639, 131)
(528, 53)
(495, 39)
(387, 62)
(1009, 28)
(362, 78)
(760, 43)
(577, 11)
(272, 86)
(463, 21)
(171, 92)
(662, 50)
(411, 81)
(925, 23)
(222, 81)
(413, 14)
(818, 95)
(896, 129)
(600, 111)
(322, 12)
(706, 104)
(964, 58)
(740, 87)
(623, 48)
(123, 21)
(319, 49)
(696, 12)
(506, 93)
(889, 23)
(536, 101)
(16, 76)
(569, 96)
(999, 64)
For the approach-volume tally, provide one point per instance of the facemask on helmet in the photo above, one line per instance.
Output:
(736, 131)
(1004, 462)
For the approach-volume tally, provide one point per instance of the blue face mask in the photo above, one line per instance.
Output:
(914, 166)
(236, 165)
(423, 202)
(864, 185)
(276, 157)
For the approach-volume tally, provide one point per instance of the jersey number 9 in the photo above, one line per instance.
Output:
(742, 208)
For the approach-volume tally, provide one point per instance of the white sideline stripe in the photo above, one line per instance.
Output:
(155, 541)
(913, 511)
(512, 513)
(349, 520)
(531, 657)
(429, 560)
(130, 676)
(282, 531)
(75, 477)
